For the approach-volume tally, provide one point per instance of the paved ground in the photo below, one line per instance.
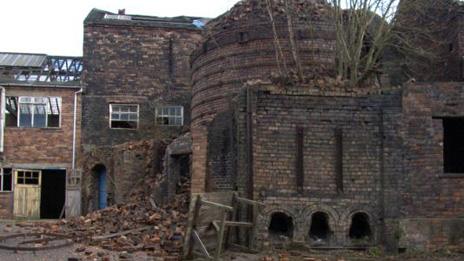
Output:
(64, 253)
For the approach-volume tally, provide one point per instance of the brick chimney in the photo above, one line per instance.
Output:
(121, 11)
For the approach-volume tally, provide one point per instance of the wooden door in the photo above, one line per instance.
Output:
(27, 193)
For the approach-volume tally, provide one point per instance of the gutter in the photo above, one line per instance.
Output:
(2, 119)
(38, 85)
(74, 129)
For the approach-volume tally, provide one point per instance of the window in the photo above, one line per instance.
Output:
(453, 145)
(28, 177)
(11, 112)
(124, 116)
(170, 115)
(33, 112)
(5, 180)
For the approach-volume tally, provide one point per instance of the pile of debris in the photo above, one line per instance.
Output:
(140, 225)
(258, 11)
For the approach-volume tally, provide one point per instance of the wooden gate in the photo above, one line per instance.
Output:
(27, 193)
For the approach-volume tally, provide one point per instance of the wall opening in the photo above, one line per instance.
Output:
(183, 162)
(360, 228)
(281, 225)
(320, 228)
(99, 172)
(453, 145)
(52, 193)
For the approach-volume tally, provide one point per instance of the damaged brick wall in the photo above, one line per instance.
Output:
(430, 193)
(277, 113)
(240, 46)
(127, 166)
(146, 65)
(142, 61)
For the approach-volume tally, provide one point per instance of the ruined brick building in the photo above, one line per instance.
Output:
(40, 103)
(137, 89)
(336, 166)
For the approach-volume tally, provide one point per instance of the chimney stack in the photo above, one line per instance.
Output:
(121, 11)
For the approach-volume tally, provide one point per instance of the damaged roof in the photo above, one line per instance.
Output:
(101, 17)
(22, 59)
(40, 69)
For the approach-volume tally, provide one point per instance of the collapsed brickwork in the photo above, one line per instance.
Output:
(137, 62)
(335, 166)
(127, 165)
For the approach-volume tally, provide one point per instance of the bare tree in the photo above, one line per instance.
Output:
(415, 34)
(363, 31)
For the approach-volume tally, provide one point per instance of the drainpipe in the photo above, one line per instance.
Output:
(74, 130)
(2, 119)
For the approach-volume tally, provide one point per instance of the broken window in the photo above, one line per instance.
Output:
(281, 225)
(33, 112)
(124, 116)
(320, 229)
(11, 112)
(453, 145)
(360, 228)
(5, 180)
(170, 115)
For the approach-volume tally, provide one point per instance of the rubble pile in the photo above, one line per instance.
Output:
(140, 225)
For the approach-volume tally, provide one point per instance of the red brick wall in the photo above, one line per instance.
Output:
(6, 204)
(429, 192)
(42, 146)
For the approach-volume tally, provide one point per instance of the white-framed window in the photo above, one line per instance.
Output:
(33, 112)
(124, 116)
(170, 115)
(6, 180)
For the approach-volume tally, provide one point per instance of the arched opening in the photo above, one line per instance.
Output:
(360, 228)
(99, 173)
(281, 225)
(320, 228)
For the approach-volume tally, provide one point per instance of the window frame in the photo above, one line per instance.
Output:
(158, 115)
(2, 180)
(31, 104)
(445, 173)
(124, 104)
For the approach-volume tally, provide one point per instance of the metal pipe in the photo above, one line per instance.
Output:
(74, 130)
(2, 119)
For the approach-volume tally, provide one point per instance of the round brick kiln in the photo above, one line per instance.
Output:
(241, 45)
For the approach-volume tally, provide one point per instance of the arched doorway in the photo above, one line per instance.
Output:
(99, 172)
(281, 225)
(360, 229)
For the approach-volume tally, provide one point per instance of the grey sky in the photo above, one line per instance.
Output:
(56, 26)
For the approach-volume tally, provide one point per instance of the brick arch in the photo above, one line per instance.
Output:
(267, 214)
(347, 219)
(334, 216)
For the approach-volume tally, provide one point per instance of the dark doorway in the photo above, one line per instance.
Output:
(360, 227)
(182, 184)
(53, 193)
(281, 225)
(320, 229)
